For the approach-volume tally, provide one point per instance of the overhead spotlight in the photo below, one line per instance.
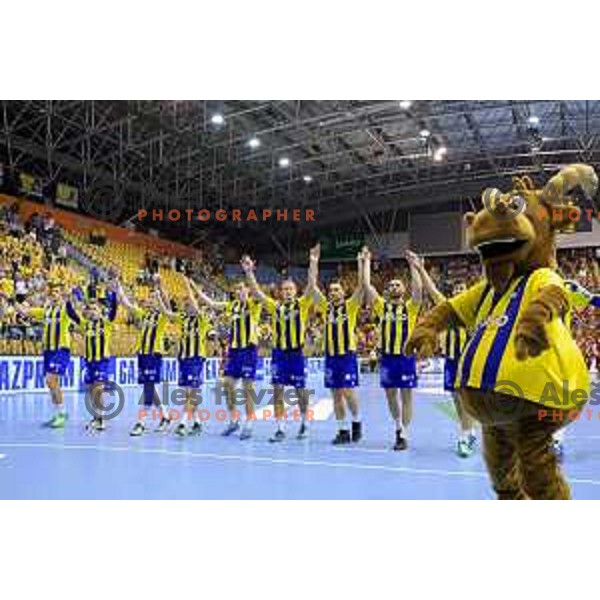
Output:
(439, 154)
(254, 142)
(405, 104)
(284, 162)
(533, 120)
(424, 133)
(217, 119)
(307, 178)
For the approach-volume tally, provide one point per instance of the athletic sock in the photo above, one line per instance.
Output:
(343, 424)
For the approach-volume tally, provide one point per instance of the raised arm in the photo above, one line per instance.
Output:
(190, 294)
(359, 293)
(163, 301)
(248, 266)
(419, 279)
(311, 290)
(123, 299)
(204, 299)
(371, 294)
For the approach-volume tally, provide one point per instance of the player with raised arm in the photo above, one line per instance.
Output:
(455, 339)
(244, 313)
(288, 320)
(57, 315)
(152, 316)
(194, 325)
(341, 364)
(397, 317)
(96, 322)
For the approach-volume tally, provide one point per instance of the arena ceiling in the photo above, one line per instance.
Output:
(349, 160)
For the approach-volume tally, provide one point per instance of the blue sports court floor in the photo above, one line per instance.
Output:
(39, 463)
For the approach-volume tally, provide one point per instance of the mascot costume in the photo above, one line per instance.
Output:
(521, 375)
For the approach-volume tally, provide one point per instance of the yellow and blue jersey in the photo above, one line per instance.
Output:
(194, 328)
(57, 320)
(152, 325)
(340, 325)
(455, 339)
(397, 322)
(289, 322)
(245, 318)
(489, 361)
(97, 333)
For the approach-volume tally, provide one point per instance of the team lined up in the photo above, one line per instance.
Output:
(396, 312)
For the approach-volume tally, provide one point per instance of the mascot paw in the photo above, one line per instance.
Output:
(530, 339)
(423, 342)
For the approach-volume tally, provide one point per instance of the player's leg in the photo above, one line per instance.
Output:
(339, 409)
(406, 397)
(391, 395)
(59, 417)
(149, 374)
(349, 372)
(233, 424)
(249, 403)
(191, 377)
(303, 403)
(279, 377)
(466, 437)
(353, 405)
(334, 381)
(55, 364)
(279, 406)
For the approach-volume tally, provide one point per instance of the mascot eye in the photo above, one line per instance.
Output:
(517, 202)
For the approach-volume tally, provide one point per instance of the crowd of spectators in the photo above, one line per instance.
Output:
(34, 255)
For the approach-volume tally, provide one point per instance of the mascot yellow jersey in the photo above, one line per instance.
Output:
(488, 361)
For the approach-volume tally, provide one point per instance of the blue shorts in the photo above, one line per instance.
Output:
(288, 368)
(99, 370)
(450, 368)
(241, 363)
(398, 371)
(56, 362)
(191, 371)
(149, 368)
(341, 371)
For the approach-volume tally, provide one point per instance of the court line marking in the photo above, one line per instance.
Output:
(276, 461)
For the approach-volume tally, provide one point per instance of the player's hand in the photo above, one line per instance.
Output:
(247, 264)
(315, 253)
(422, 342)
(413, 259)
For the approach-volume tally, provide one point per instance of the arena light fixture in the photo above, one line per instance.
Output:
(254, 142)
(217, 119)
(405, 104)
(284, 162)
(440, 153)
(307, 178)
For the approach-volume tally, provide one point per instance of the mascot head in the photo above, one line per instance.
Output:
(515, 231)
